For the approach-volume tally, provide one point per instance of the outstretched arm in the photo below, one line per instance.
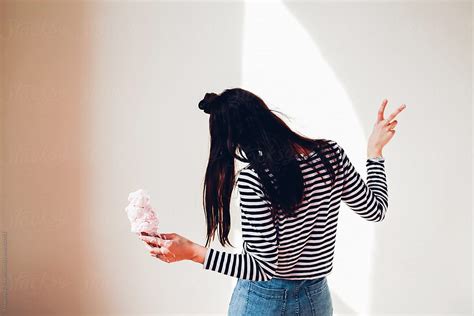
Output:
(258, 261)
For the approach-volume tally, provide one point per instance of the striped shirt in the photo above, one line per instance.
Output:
(304, 245)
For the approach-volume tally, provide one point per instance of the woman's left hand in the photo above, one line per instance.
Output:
(172, 247)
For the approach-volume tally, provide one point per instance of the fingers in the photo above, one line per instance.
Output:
(159, 251)
(160, 245)
(162, 258)
(162, 251)
(394, 114)
(381, 110)
(392, 124)
(167, 235)
(153, 241)
(148, 234)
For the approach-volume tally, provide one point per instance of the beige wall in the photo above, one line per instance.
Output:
(100, 99)
(44, 71)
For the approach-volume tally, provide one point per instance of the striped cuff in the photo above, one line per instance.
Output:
(375, 160)
(205, 265)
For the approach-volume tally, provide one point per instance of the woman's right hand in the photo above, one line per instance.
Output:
(383, 130)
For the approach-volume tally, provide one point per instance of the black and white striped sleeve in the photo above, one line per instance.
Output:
(258, 260)
(369, 200)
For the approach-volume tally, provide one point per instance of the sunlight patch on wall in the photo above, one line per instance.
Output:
(283, 65)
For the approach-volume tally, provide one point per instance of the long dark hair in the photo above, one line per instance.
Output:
(241, 123)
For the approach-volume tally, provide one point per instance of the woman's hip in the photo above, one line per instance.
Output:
(281, 297)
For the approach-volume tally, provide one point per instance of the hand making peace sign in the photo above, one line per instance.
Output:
(383, 129)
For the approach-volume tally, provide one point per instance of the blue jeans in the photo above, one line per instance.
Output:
(281, 297)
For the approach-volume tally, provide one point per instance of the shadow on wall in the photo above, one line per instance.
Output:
(45, 60)
(101, 99)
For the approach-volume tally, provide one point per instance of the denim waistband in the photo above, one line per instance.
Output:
(286, 283)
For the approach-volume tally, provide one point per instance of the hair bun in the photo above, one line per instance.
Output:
(206, 103)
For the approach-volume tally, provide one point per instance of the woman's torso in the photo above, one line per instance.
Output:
(306, 242)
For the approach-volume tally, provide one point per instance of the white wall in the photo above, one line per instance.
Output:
(100, 99)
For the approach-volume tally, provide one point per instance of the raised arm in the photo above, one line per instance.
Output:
(260, 250)
(369, 200)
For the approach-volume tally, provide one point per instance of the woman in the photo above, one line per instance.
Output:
(290, 193)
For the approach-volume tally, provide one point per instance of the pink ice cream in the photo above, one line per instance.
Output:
(141, 214)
